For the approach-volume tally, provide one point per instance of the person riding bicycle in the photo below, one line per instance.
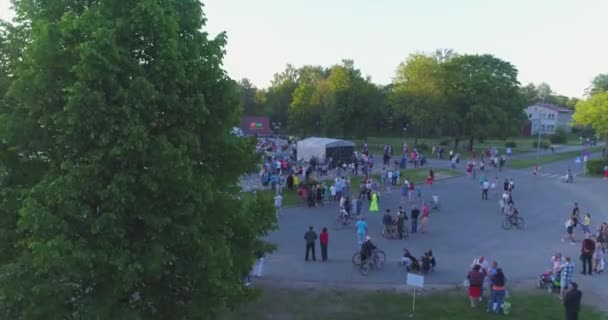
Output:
(513, 215)
(367, 249)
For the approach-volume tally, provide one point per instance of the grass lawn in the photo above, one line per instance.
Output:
(291, 198)
(304, 304)
(531, 162)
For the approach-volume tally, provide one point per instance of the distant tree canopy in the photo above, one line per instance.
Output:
(439, 93)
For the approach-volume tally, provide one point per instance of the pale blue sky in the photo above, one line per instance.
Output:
(561, 42)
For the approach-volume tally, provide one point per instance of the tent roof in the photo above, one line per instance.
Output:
(328, 142)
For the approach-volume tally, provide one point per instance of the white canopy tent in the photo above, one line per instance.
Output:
(325, 148)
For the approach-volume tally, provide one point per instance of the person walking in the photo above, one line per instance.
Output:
(361, 228)
(587, 250)
(310, 236)
(414, 214)
(572, 302)
(598, 257)
(324, 241)
(425, 217)
(485, 185)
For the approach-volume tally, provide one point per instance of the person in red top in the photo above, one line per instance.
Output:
(475, 277)
(324, 240)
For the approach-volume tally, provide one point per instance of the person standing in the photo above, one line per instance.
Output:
(310, 236)
(373, 205)
(258, 267)
(576, 214)
(401, 217)
(497, 291)
(506, 185)
(404, 191)
(324, 241)
(361, 227)
(278, 202)
(567, 273)
(414, 214)
(425, 217)
(475, 277)
(586, 223)
(587, 250)
(572, 302)
(485, 185)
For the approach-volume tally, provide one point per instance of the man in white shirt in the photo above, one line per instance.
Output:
(278, 202)
(484, 190)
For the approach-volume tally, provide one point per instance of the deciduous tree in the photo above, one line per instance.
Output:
(117, 170)
(593, 112)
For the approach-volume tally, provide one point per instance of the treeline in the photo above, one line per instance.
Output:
(439, 93)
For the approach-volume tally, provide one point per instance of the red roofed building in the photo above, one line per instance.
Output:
(546, 118)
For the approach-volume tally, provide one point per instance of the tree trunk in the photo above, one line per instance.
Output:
(604, 152)
(456, 141)
(471, 141)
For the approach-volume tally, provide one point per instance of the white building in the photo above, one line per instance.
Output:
(547, 118)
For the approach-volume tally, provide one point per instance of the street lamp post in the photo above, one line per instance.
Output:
(538, 126)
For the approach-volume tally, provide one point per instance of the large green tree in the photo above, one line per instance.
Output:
(117, 170)
(416, 93)
(278, 97)
(593, 112)
(250, 98)
(599, 84)
(483, 97)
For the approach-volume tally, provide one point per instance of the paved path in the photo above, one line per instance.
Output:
(465, 228)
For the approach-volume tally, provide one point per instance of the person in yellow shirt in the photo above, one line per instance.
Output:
(586, 223)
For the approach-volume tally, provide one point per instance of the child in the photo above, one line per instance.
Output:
(569, 231)
(586, 223)
(535, 171)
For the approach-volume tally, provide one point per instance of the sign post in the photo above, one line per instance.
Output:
(416, 281)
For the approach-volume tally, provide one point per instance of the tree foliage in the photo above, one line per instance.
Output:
(599, 84)
(593, 112)
(118, 194)
(482, 96)
(417, 94)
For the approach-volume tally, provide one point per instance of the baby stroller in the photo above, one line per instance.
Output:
(435, 203)
(549, 281)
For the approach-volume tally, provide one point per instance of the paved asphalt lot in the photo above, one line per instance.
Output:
(465, 228)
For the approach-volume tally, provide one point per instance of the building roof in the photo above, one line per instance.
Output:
(553, 107)
(328, 142)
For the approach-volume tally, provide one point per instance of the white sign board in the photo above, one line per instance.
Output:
(414, 280)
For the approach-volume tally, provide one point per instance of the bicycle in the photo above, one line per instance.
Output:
(391, 232)
(513, 220)
(342, 221)
(379, 258)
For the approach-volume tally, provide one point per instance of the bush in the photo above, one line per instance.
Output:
(510, 144)
(444, 142)
(423, 147)
(543, 144)
(596, 166)
(559, 137)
